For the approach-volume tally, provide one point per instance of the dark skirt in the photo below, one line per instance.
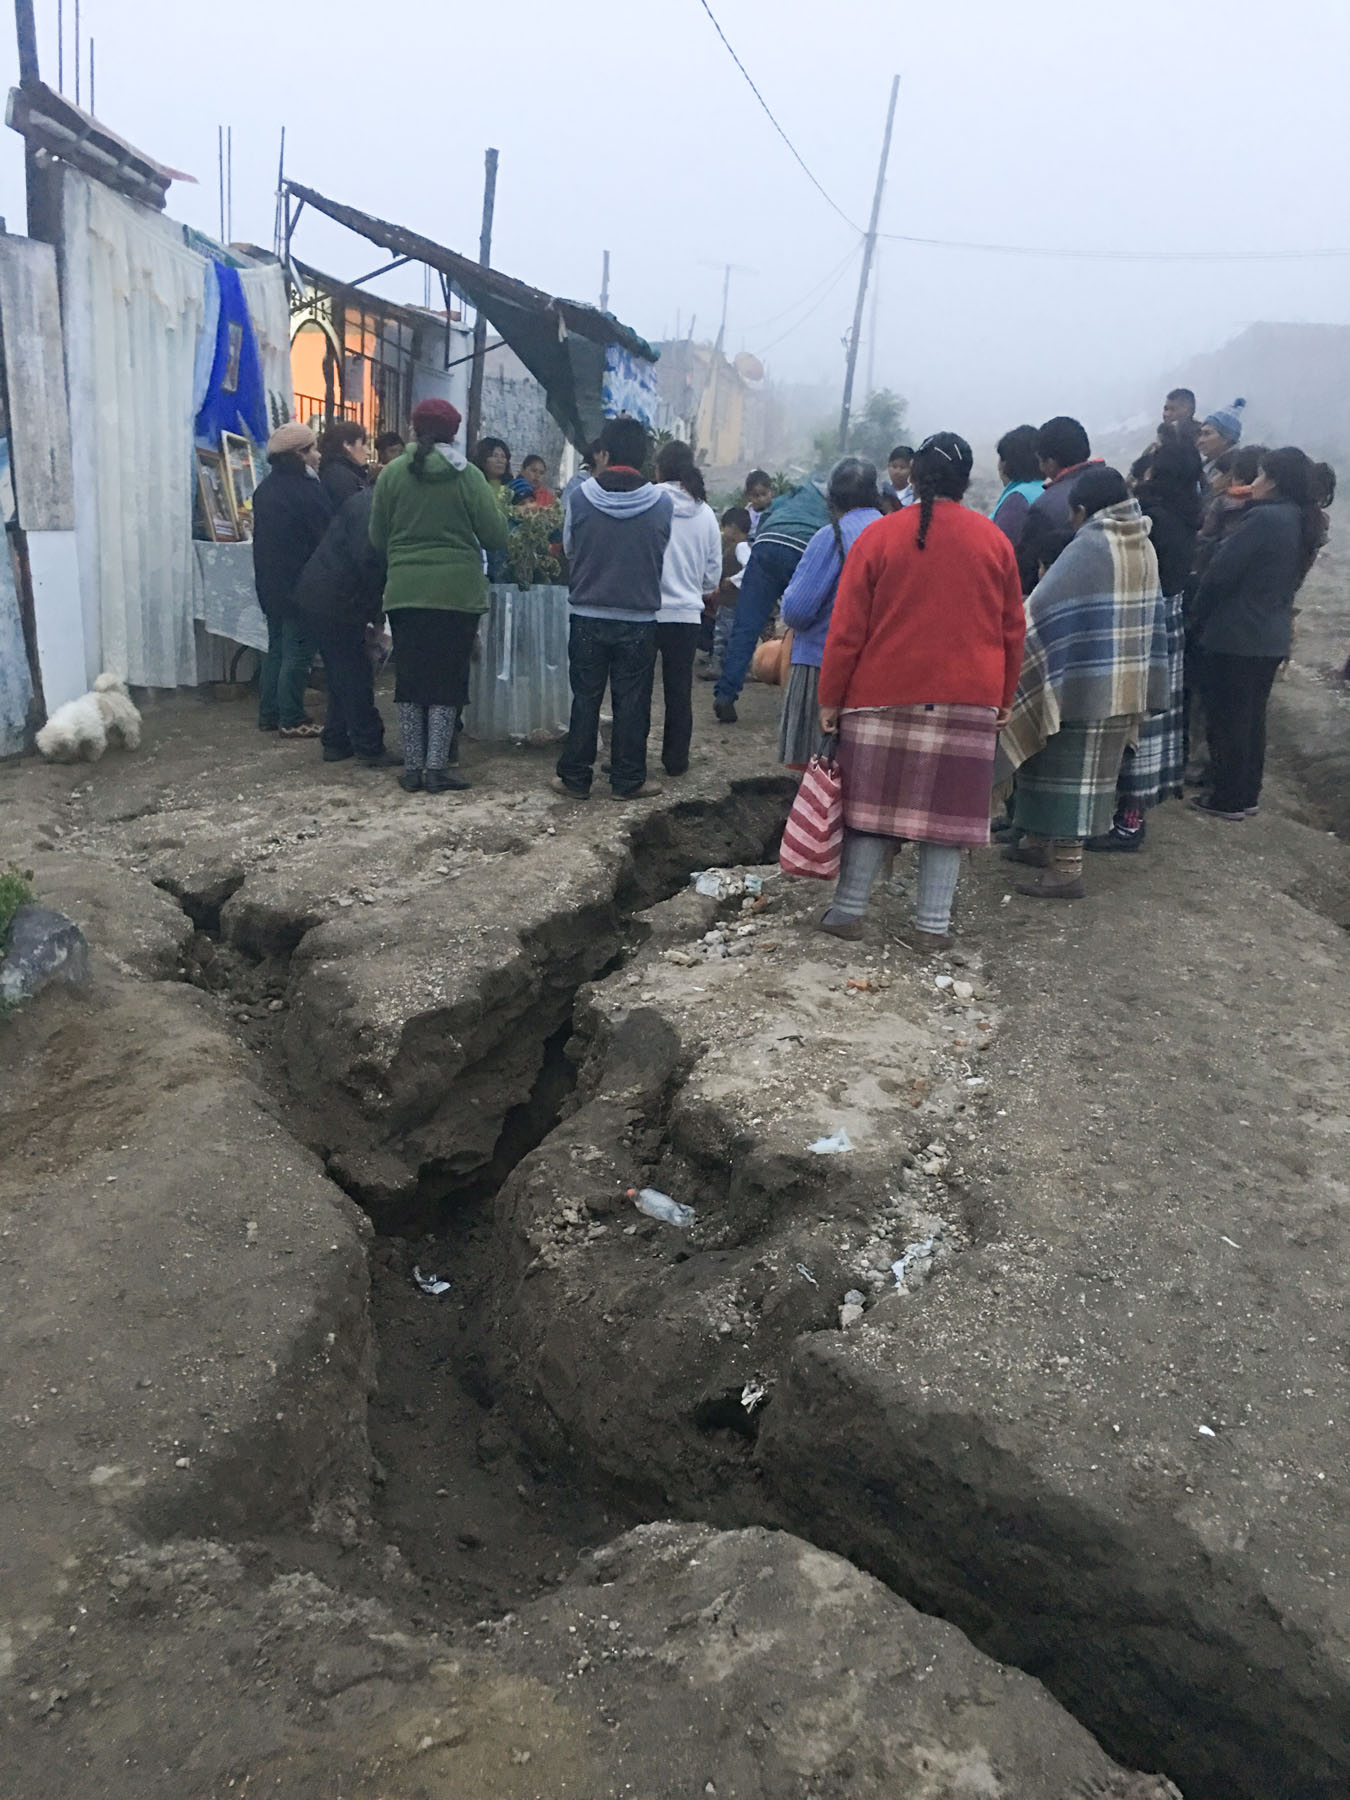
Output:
(924, 773)
(799, 724)
(433, 648)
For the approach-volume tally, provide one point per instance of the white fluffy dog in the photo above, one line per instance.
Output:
(81, 730)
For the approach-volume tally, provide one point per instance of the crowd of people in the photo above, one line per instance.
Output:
(1056, 662)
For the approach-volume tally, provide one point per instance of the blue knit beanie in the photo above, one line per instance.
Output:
(1227, 421)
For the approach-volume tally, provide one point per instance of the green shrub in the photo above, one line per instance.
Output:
(16, 890)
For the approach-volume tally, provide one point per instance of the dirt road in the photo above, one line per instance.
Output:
(257, 1519)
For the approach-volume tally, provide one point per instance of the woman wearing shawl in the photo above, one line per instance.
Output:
(1166, 483)
(921, 662)
(1095, 667)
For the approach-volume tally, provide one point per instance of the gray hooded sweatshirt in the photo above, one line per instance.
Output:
(615, 530)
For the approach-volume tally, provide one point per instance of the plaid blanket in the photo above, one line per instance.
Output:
(919, 772)
(1152, 770)
(1096, 644)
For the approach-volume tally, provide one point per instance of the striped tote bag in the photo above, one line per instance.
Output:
(814, 834)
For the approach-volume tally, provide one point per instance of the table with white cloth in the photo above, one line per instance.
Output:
(518, 687)
(224, 598)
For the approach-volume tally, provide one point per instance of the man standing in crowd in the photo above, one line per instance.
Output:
(615, 529)
(1179, 410)
(784, 532)
(1063, 451)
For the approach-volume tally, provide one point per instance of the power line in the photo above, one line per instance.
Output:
(1113, 255)
(802, 299)
(772, 120)
(812, 311)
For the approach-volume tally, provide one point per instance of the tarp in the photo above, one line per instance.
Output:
(561, 342)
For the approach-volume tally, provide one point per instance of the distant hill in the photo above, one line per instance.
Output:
(1294, 378)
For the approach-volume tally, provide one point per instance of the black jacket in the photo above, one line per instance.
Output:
(1174, 541)
(1047, 519)
(291, 511)
(342, 477)
(343, 582)
(1245, 603)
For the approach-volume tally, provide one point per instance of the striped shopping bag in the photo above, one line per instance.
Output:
(814, 834)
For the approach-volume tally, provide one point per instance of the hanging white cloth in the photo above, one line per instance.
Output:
(135, 304)
(269, 311)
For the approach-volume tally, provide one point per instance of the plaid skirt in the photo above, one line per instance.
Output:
(919, 772)
(799, 723)
(1068, 789)
(1152, 771)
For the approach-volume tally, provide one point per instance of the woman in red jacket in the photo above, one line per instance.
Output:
(920, 669)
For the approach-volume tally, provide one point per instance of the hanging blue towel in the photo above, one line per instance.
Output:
(235, 400)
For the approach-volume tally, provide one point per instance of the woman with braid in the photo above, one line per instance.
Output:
(433, 516)
(920, 668)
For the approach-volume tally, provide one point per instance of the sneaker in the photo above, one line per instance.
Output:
(443, 781)
(411, 781)
(383, 759)
(712, 672)
(1250, 812)
(1049, 886)
(848, 929)
(725, 711)
(1116, 839)
(559, 786)
(648, 791)
(1203, 803)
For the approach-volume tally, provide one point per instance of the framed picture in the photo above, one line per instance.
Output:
(240, 479)
(214, 498)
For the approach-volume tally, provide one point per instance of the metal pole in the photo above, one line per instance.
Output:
(229, 184)
(281, 195)
(60, 46)
(475, 418)
(869, 246)
(77, 52)
(92, 107)
(604, 286)
(220, 175)
(726, 289)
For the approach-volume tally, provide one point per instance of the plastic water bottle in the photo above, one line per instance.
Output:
(657, 1205)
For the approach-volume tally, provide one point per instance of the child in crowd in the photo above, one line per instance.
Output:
(736, 531)
(896, 490)
(758, 497)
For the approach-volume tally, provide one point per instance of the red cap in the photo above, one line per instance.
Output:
(438, 414)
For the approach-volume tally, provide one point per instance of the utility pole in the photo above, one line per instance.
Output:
(722, 326)
(475, 418)
(869, 247)
(604, 286)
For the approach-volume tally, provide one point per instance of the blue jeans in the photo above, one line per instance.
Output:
(769, 570)
(285, 674)
(620, 655)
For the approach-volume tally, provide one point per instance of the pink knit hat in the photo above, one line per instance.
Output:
(298, 438)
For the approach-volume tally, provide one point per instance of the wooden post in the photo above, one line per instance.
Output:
(869, 246)
(26, 29)
(475, 418)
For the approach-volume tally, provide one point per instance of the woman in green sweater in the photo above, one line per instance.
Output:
(433, 517)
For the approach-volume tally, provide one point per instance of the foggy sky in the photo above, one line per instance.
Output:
(1169, 124)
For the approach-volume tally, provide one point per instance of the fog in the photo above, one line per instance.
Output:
(1166, 126)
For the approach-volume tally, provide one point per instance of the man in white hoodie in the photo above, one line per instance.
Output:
(690, 571)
